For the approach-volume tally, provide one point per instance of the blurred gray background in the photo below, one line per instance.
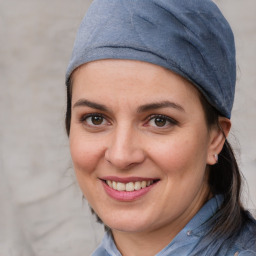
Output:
(42, 212)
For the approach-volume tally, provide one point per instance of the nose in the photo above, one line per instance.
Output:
(124, 149)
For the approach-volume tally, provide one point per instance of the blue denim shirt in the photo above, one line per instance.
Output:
(191, 239)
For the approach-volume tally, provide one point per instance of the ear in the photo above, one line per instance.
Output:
(218, 135)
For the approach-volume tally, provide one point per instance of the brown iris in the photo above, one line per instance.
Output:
(97, 120)
(160, 122)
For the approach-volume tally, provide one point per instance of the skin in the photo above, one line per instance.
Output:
(128, 142)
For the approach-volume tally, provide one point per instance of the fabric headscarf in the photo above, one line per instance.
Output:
(190, 37)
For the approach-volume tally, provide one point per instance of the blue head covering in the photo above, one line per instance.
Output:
(189, 37)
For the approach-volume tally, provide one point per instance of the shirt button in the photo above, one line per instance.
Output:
(189, 232)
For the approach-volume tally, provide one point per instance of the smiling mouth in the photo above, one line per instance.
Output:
(129, 186)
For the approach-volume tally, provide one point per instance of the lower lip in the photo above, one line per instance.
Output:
(125, 195)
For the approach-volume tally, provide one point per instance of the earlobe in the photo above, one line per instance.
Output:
(216, 158)
(218, 136)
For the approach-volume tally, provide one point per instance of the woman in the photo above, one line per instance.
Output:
(150, 88)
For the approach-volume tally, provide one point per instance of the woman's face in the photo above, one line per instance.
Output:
(139, 144)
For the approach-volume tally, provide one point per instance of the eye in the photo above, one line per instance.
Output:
(161, 121)
(94, 120)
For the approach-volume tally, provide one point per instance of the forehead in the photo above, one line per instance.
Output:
(129, 80)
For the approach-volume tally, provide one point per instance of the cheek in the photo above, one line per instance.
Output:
(183, 164)
(182, 156)
(86, 155)
(85, 152)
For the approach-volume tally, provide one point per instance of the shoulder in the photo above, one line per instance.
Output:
(241, 243)
(246, 239)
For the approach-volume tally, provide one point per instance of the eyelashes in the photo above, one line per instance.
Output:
(98, 120)
(94, 119)
(161, 121)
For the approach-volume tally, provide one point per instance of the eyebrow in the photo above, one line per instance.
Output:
(142, 108)
(87, 103)
(157, 105)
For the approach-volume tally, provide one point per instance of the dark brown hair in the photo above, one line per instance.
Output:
(224, 177)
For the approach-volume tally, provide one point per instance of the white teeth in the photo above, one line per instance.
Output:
(137, 185)
(130, 186)
(143, 184)
(120, 186)
(109, 183)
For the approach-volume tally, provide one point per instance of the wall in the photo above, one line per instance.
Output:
(42, 212)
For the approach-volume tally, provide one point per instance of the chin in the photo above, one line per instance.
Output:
(127, 224)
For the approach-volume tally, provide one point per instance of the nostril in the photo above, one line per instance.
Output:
(108, 160)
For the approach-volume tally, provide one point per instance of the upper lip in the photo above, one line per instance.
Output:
(127, 179)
